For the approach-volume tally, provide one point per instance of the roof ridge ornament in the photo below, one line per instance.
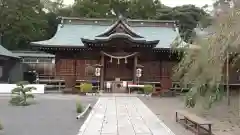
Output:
(113, 12)
(121, 17)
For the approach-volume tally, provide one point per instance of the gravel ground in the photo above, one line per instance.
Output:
(165, 109)
(51, 115)
(226, 119)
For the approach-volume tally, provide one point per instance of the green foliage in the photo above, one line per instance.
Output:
(205, 67)
(148, 89)
(86, 87)
(21, 94)
(188, 16)
(25, 21)
(190, 100)
(208, 96)
(79, 107)
(22, 21)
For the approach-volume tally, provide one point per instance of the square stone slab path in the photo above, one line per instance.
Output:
(122, 116)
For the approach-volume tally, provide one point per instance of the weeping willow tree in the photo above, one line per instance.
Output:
(205, 67)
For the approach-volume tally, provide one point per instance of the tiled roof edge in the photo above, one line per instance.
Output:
(115, 19)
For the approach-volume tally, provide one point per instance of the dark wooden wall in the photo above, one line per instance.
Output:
(151, 70)
(11, 71)
(71, 69)
(123, 70)
(43, 69)
(166, 74)
(156, 69)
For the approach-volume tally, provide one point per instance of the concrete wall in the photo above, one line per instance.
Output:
(7, 88)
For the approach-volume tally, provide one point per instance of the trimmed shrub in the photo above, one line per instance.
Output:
(79, 107)
(86, 87)
(21, 94)
(148, 89)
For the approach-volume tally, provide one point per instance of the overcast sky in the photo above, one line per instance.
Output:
(172, 3)
(199, 3)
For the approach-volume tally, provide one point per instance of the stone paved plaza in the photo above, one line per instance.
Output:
(123, 116)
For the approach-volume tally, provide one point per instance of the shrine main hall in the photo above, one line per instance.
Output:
(118, 47)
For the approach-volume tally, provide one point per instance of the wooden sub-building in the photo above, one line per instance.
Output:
(10, 67)
(119, 45)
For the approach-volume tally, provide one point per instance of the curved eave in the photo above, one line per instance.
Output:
(39, 45)
(55, 48)
(97, 40)
(10, 57)
(7, 54)
(111, 28)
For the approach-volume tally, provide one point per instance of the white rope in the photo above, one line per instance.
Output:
(119, 57)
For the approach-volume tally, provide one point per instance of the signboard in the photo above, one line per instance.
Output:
(98, 71)
(139, 72)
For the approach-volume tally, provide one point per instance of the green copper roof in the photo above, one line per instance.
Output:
(70, 35)
(164, 34)
(35, 54)
(7, 53)
(121, 35)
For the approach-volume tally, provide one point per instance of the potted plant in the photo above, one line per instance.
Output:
(85, 88)
(21, 94)
(148, 89)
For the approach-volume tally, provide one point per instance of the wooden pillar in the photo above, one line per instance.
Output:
(75, 68)
(57, 65)
(74, 76)
(102, 73)
(134, 69)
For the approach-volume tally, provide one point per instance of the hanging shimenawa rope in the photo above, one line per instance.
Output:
(119, 57)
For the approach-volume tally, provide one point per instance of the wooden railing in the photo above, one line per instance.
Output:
(58, 82)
